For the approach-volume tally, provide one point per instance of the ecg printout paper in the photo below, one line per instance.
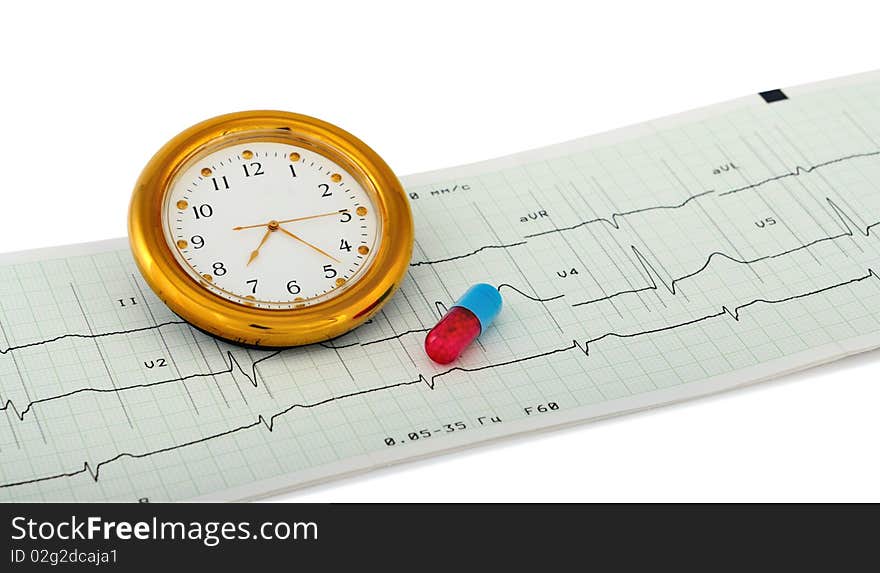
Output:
(657, 263)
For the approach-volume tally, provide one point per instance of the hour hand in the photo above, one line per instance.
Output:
(256, 252)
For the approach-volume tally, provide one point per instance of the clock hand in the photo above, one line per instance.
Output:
(256, 252)
(311, 246)
(292, 220)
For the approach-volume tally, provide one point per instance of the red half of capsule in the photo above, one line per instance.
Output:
(455, 331)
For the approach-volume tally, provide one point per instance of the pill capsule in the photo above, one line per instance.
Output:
(471, 315)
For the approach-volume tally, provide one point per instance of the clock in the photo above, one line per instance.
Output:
(270, 229)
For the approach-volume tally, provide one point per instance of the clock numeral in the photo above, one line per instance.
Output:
(344, 246)
(346, 217)
(253, 283)
(293, 288)
(329, 272)
(218, 185)
(256, 169)
(203, 210)
(325, 190)
(219, 269)
(197, 241)
(292, 171)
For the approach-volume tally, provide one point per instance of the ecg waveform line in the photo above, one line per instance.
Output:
(848, 222)
(613, 220)
(799, 170)
(231, 361)
(530, 297)
(726, 311)
(94, 470)
(851, 226)
(469, 254)
(61, 337)
(375, 341)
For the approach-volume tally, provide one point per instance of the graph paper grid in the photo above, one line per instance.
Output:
(661, 262)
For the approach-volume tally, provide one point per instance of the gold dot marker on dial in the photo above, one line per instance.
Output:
(336, 177)
(294, 156)
(247, 154)
(363, 249)
(340, 281)
(181, 244)
(298, 299)
(182, 204)
(206, 171)
(208, 277)
(361, 211)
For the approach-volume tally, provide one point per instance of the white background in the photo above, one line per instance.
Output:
(90, 90)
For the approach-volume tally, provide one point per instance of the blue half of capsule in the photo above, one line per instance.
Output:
(484, 301)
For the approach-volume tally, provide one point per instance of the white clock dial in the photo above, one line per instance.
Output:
(270, 225)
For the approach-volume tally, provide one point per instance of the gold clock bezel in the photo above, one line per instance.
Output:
(253, 326)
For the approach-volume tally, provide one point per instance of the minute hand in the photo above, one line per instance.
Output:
(306, 243)
(295, 219)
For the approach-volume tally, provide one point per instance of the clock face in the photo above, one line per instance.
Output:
(270, 225)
